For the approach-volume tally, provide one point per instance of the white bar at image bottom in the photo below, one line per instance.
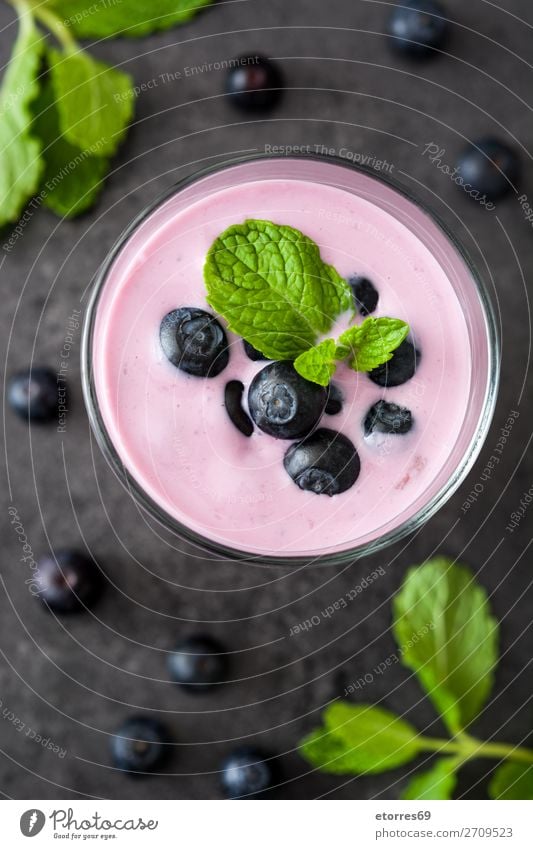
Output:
(255, 824)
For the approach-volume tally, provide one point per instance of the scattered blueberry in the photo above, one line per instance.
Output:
(140, 745)
(248, 772)
(284, 404)
(399, 369)
(198, 664)
(418, 27)
(335, 400)
(325, 463)
(68, 581)
(233, 402)
(365, 294)
(252, 353)
(32, 394)
(490, 167)
(254, 84)
(194, 341)
(388, 418)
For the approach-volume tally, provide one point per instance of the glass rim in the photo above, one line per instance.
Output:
(326, 557)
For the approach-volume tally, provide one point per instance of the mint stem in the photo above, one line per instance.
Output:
(56, 26)
(469, 748)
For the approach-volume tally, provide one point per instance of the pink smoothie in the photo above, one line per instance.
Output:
(172, 431)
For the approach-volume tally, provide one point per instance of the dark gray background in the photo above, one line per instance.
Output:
(75, 679)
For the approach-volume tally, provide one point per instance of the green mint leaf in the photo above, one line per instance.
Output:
(73, 178)
(329, 753)
(270, 284)
(20, 160)
(132, 18)
(443, 623)
(512, 781)
(371, 343)
(439, 782)
(318, 364)
(360, 739)
(94, 101)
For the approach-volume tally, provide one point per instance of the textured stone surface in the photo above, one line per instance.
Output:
(73, 680)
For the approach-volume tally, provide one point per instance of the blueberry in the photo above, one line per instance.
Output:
(418, 27)
(32, 394)
(233, 403)
(383, 417)
(252, 353)
(140, 745)
(399, 369)
(254, 84)
(68, 582)
(490, 170)
(365, 294)
(194, 341)
(198, 664)
(325, 463)
(248, 772)
(284, 404)
(335, 400)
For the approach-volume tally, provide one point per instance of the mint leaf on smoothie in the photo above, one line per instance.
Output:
(372, 343)
(319, 363)
(270, 284)
(369, 345)
(20, 160)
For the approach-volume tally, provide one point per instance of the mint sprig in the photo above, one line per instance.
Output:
(272, 287)
(366, 346)
(454, 656)
(62, 119)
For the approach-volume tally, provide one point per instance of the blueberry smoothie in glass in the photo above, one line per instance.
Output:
(289, 358)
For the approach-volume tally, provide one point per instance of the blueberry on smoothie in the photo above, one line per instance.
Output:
(248, 772)
(490, 167)
(198, 664)
(418, 27)
(384, 417)
(194, 341)
(252, 353)
(32, 394)
(284, 404)
(254, 84)
(68, 581)
(325, 463)
(233, 393)
(140, 745)
(335, 400)
(399, 369)
(365, 294)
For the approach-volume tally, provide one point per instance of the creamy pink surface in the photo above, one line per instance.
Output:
(172, 431)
